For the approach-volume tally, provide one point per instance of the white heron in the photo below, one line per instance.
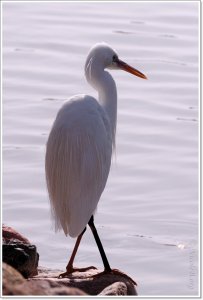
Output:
(79, 151)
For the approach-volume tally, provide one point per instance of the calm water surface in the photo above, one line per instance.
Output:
(148, 214)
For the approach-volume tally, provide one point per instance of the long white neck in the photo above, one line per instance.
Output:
(104, 83)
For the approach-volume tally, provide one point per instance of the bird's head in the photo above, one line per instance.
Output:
(104, 56)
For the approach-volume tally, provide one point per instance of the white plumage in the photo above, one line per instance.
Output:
(78, 160)
(79, 147)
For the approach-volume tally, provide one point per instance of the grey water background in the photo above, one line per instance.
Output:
(147, 217)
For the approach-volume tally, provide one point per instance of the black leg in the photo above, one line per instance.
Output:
(99, 244)
(107, 268)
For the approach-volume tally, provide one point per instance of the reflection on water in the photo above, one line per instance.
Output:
(151, 199)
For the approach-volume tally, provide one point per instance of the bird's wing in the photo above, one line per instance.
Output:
(78, 158)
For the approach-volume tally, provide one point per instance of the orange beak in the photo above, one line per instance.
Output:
(123, 66)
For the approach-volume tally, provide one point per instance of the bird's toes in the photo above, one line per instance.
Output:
(62, 275)
(92, 267)
(118, 272)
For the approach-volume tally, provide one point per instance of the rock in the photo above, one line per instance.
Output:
(115, 289)
(15, 284)
(23, 257)
(77, 284)
(11, 278)
(9, 234)
(107, 284)
(19, 253)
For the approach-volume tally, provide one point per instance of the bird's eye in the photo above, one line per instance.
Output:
(115, 58)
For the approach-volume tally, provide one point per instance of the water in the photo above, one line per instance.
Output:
(148, 214)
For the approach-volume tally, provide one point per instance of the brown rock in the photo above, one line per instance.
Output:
(9, 233)
(19, 253)
(115, 289)
(107, 284)
(11, 278)
(15, 284)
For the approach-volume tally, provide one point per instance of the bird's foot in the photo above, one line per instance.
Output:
(114, 272)
(70, 270)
